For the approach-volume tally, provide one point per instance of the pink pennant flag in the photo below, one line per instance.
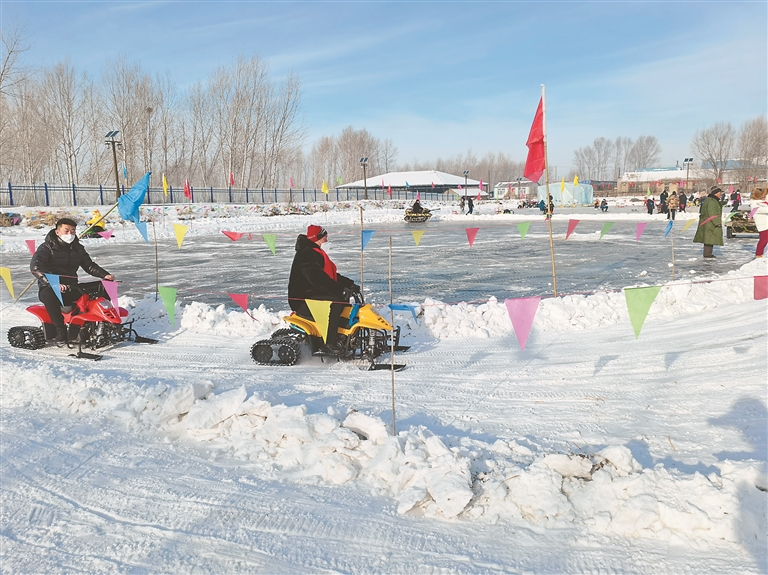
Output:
(111, 289)
(290, 182)
(433, 184)
(471, 235)
(640, 230)
(231, 179)
(479, 197)
(234, 236)
(709, 219)
(31, 246)
(522, 311)
(761, 287)
(571, 226)
(480, 185)
(459, 186)
(418, 196)
(106, 234)
(382, 184)
(389, 191)
(754, 210)
(240, 299)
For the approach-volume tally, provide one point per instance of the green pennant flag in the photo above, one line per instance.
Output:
(168, 296)
(338, 179)
(606, 228)
(270, 239)
(639, 301)
(523, 229)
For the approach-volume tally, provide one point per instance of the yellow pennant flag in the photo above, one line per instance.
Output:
(321, 311)
(180, 230)
(165, 185)
(417, 236)
(5, 273)
(562, 185)
(687, 225)
(575, 180)
(325, 187)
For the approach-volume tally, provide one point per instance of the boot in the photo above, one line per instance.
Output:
(708, 252)
(61, 336)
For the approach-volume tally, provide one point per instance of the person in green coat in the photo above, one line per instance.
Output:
(710, 233)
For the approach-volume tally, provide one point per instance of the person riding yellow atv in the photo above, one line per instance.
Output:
(363, 334)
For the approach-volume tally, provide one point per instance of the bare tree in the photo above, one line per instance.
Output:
(644, 153)
(11, 72)
(621, 147)
(585, 162)
(752, 149)
(714, 146)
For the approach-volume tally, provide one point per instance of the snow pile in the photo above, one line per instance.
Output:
(606, 492)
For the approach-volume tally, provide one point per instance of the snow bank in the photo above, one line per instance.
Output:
(606, 492)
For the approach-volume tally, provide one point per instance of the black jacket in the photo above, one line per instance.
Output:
(309, 279)
(54, 256)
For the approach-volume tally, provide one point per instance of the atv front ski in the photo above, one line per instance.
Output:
(84, 355)
(141, 339)
(386, 367)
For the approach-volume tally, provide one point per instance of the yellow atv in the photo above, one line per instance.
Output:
(362, 334)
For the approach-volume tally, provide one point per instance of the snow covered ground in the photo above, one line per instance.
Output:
(590, 451)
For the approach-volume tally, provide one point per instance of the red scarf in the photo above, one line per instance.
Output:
(328, 266)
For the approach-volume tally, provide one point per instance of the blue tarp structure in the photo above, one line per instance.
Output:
(581, 194)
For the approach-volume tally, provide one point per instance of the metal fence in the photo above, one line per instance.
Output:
(71, 195)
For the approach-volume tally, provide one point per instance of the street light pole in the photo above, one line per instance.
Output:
(364, 163)
(110, 137)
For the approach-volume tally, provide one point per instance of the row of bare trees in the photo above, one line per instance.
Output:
(238, 121)
(743, 152)
(608, 159)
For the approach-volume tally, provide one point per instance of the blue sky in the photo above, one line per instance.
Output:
(439, 78)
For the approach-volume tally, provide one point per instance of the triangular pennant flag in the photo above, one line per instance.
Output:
(479, 197)
(321, 312)
(240, 299)
(324, 188)
(669, 228)
(640, 230)
(128, 204)
(471, 235)
(761, 287)
(523, 229)
(480, 185)
(522, 311)
(433, 184)
(729, 216)
(180, 230)
(367, 234)
(231, 179)
(31, 246)
(405, 307)
(687, 225)
(187, 190)
(5, 273)
(290, 182)
(417, 234)
(709, 219)
(111, 288)
(168, 295)
(753, 212)
(418, 196)
(338, 180)
(407, 185)
(389, 191)
(562, 184)
(106, 234)
(271, 240)
(606, 228)
(53, 279)
(165, 186)
(142, 227)
(459, 186)
(234, 236)
(571, 226)
(639, 301)
(575, 180)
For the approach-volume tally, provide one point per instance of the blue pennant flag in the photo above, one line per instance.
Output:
(128, 204)
(407, 185)
(125, 172)
(53, 279)
(405, 307)
(669, 228)
(367, 237)
(142, 227)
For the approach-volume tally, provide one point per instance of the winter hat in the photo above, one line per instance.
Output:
(715, 190)
(315, 233)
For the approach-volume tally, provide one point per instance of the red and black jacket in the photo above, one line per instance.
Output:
(314, 276)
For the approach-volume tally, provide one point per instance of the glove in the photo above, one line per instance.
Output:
(355, 288)
(346, 294)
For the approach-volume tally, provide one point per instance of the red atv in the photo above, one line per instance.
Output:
(92, 323)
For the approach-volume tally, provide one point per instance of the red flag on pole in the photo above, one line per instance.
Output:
(187, 190)
(231, 179)
(534, 164)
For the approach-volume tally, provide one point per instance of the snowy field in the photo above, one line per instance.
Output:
(589, 452)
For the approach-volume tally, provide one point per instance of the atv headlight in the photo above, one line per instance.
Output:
(106, 304)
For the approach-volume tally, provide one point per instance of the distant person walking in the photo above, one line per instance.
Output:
(649, 205)
(673, 202)
(761, 219)
(710, 230)
(470, 205)
(683, 201)
(663, 201)
(735, 201)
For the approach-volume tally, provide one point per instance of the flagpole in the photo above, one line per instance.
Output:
(157, 265)
(546, 186)
(361, 248)
(392, 340)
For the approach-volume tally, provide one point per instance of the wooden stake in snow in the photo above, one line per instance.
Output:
(546, 186)
(392, 338)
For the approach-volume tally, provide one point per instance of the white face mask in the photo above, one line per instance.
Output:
(67, 238)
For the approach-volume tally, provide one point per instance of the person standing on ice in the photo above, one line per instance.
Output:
(710, 230)
(314, 276)
(649, 205)
(761, 219)
(62, 254)
(672, 204)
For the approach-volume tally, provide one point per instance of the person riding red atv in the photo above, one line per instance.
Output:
(92, 322)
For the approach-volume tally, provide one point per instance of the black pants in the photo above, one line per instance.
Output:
(671, 214)
(53, 305)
